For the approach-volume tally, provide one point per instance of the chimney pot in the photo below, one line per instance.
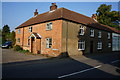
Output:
(53, 7)
(36, 12)
(94, 16)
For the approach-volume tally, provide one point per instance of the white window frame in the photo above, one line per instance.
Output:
(99, 34)
(18, 31)
(99, 45)
(91, 32)
(18, 40)
(81, 45)
(108, 35)
(48, 44)
(30, 29)
(109, 44)
(49, 26)
(82, 29)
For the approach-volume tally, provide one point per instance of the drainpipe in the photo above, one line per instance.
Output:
(67, 38)
(23, 38)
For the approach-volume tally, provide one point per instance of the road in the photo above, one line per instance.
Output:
(96, 66)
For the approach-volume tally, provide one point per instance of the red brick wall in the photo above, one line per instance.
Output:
(55, 34)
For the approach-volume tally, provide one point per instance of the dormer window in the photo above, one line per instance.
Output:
(30, 29)
(99, 34)
(91, 32)
(49, 26)
(81, 30)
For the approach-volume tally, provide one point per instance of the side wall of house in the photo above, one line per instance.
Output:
(70, 39)
(19, 35)
(55, 34)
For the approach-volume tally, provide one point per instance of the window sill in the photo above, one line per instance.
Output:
(91, 36)
(48, 29)
(99, 49)
(81, 34)
(81, 49)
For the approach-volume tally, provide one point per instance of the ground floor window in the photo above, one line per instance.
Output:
(81, 45)
(48, 42)
(99, 45)
(28, 42)
(109, 45)
(18, 40)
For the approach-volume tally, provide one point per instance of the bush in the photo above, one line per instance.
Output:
(17, 48)
(24, 51)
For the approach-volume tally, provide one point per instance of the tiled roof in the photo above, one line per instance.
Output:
(63, 13)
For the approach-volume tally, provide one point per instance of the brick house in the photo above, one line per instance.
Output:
(62, 30)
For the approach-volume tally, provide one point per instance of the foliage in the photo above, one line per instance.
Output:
(108, 17)
(7, 35)
(6, 29)
(0, 36)
(24, 51)
(17, 48)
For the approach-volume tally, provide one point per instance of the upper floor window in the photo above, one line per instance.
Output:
(99, 45)
(108, 35)
(81, 30)
(18, 31)
(81, 45)
(91, 32)
(30, 29)
(99, 34)
(109, 45)
(48, 42)
(18, 40)
(49, 26)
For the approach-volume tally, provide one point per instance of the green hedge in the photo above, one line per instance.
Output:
(17, 48)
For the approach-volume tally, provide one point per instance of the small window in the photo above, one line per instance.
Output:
(81, 30)
(99, 45)
(108, 35)
(48, 42)
(109, 45)
(91, 32)
(18, 31)
(18, 40)
(30, 29)
(49, 26)
(99, 34)
(81, 45)
(28, 42)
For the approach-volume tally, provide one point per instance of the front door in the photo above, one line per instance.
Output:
(91, 46)
(33, 44)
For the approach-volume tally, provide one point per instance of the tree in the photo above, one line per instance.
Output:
(107, 17)
(6, 29)
(5, 32)
(13, 38)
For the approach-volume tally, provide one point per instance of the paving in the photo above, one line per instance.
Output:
(9, 55)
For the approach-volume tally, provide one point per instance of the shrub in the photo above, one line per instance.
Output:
(24, 51)
(17, 48)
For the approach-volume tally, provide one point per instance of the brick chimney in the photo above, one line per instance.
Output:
(94, 16)
(53, 7)
(36, 12)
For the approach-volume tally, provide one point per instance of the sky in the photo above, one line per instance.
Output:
(15, 13)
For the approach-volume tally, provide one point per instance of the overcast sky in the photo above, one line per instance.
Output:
(15, 13)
